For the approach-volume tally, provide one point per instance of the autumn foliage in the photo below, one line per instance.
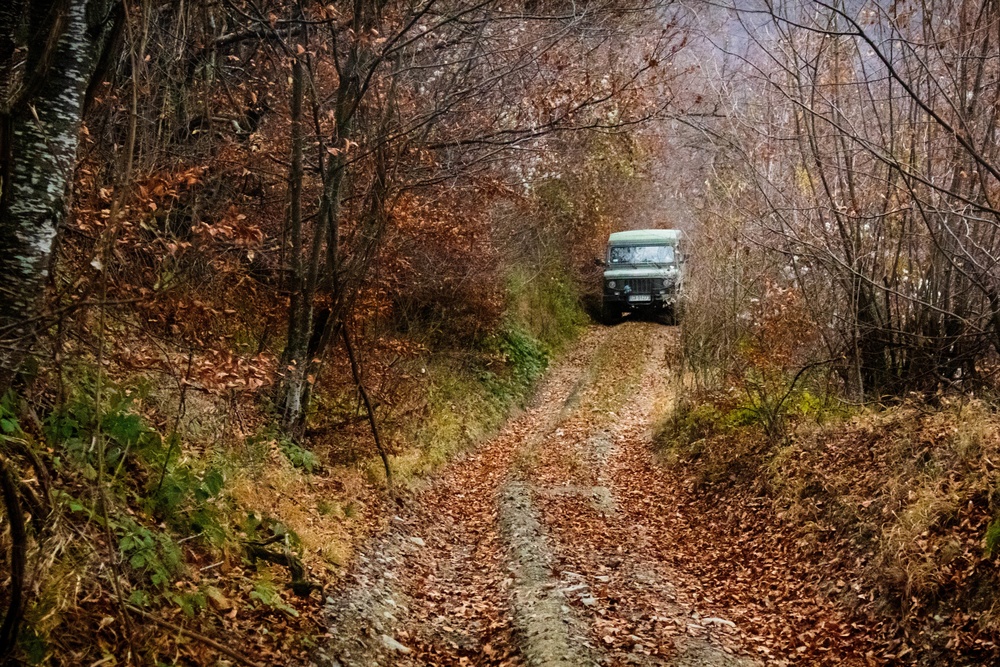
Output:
(301, 237)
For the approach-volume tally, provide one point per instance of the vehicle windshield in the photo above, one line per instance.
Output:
(642, 254)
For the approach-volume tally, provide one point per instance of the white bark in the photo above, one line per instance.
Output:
(41, 139)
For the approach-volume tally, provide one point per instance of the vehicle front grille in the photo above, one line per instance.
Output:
(641, 285)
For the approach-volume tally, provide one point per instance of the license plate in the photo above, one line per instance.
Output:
(640, 297)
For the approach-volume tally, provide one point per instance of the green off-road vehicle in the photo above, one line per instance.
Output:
(643, 272)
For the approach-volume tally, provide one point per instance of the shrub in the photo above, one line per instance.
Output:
(298, 456)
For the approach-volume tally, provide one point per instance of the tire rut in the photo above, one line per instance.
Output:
(436, 587)
(550, 633)
(635, 612)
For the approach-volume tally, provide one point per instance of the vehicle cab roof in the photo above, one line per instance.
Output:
(643, 236)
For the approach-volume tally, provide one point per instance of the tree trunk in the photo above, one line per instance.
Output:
(39, 133)
(298, 308)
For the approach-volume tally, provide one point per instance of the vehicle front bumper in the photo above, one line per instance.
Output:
(659, 300)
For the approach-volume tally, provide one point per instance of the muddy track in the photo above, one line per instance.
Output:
(532, 549)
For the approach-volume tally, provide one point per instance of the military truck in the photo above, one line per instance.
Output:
(643, 271)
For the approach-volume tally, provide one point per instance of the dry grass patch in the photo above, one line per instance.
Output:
(312, 506)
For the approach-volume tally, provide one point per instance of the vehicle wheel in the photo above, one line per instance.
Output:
(610, 314)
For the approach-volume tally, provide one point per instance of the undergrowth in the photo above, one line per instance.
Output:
(166, 510)
(545, 306)
(467, 400)
(194, 507)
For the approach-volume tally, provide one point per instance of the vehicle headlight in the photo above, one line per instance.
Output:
(612, 284)
(667, 282)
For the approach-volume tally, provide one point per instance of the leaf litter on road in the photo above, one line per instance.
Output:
(644, 572)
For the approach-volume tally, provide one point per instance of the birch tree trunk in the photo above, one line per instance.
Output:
(66, 42)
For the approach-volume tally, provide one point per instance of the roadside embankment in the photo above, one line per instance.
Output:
(888, 516)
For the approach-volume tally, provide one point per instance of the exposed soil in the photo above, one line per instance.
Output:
(558, 542)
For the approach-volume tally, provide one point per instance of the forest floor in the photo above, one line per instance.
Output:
(562, 541)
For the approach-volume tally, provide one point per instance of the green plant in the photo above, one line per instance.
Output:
(187, 501)
(992, 538)
(266, 592)
(75, 425)
(8, 416)
(152, 554)
(298, 456)
(33, 645)
(526, 355)
(158, 561)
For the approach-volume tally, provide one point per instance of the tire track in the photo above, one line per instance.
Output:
(436, 587)
(634, 604)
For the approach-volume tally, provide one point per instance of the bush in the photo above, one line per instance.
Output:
(692, 422)
(724, 440)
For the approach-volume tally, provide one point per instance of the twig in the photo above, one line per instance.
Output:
(208, 641)
(356, 372)
(98, 441)
(300, 585)
(174, 438)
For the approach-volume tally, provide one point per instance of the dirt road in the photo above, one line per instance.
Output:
(548, 545)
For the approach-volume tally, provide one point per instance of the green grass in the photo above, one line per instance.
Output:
(466, 404)
(545, 305)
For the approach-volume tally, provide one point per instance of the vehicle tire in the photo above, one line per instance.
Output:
(610, 314)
